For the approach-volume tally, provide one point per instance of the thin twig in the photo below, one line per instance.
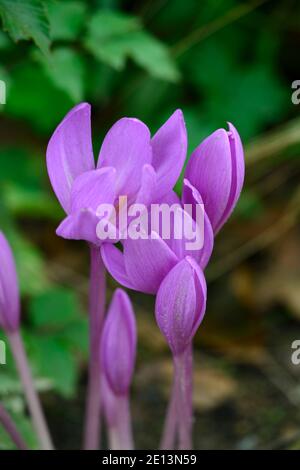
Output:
(264, 239)
(274, 142)
(210, 28)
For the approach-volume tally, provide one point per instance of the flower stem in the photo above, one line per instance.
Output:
(183, 381)
(29, 390)
(97, 305)
(120, 433)
(11, 429)
(180, 410)
(170, 426)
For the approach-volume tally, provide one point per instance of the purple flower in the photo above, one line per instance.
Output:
(180, 304)
(130, 164)
(144, 263)
(117, 353)
(216, 169)
(9, 288)
(118, 344)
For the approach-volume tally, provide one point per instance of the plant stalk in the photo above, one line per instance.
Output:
(179, 418)
(170, 427)
(183, 381)
(120, 433)
(92, 429)
(11, 429)
(32, 398)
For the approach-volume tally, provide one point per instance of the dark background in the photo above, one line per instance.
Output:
(217, 60)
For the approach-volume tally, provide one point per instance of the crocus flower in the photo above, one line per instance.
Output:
(9, 288)
(216, 169)
(130, 164)
(144, 263)
(10, 322)
(180, 304)
(179, 309)
(118, 351)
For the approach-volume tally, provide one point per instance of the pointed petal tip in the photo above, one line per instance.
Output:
(81, 225)
(69, 152)
(126, 147)
(81, 107)
(169, 145)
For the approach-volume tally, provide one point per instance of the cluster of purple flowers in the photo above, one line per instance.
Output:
(145, 169)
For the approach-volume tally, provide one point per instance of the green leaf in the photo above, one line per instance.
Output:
(66, 19)
(26, 19)
(107, 25)
(29, 262)
(19, 166)
(55, 308)
(115, 37)
(65, 68)
(31, 202)
(5, 42)
(40, 102)
(57, 312)
(107, 34)
(248, 94)
(53, 360)
(76, 335)
(152, 55)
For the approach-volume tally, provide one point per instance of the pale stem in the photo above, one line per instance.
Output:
(183, 381)
(92, 429)
(32, 398)
(120, 432)
(11, 429)
(170, 426)
(182, 388)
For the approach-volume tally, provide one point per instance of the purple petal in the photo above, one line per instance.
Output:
(147, 261)
(180, 304)
(94, 188)
(169, 198)
(9, 288)
(113, 260)
(169, 146)
(238, 173)
(148, 188)
(216, 169)
(118, 343)
(70, 152)
(190, 195)
(209, 170)
(201, 293)
(110, 402)
(127, 148)
(186, 237)
(81, 225)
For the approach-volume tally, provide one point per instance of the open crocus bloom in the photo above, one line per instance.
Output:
(130, 164)
(144, 262)
(216, 169)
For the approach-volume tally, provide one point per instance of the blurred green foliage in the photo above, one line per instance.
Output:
(138, 58)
